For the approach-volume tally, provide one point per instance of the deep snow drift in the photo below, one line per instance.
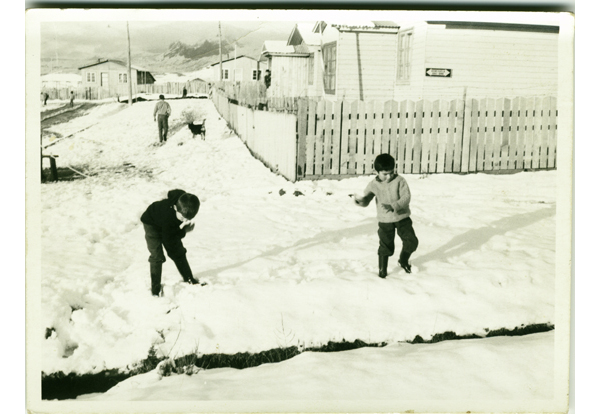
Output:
(286, 270)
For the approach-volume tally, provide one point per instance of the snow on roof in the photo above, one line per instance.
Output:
(120, 62)
(61, 77)
(277, 46)
(234, 58)
(306, 31)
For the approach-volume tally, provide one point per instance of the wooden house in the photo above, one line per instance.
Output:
(291, 71)
(416, 60)
(239, 69)
(446, 59)
(110, 76)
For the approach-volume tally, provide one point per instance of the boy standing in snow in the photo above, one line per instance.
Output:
(393, 213)
(166, 222)
(162, 109)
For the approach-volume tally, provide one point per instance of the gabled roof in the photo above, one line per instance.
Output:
(305, 31)
(119, 62)
(234, 58)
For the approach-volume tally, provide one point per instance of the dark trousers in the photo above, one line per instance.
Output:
(157, 258)
(387, 234)
(163, 127)
(154, 243)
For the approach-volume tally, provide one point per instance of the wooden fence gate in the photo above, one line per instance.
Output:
(343, 138)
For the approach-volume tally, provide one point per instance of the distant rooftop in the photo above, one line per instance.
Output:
(234, 58)
(120, 62)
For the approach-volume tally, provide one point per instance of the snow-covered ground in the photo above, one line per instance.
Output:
(285, 270)
(443, 371)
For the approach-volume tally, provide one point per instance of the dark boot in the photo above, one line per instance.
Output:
(403, 262)
(186, 272)
(155, 278)
(383, 264)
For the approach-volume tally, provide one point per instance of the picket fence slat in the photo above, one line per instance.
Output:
(552, 134)
(451, 136)
(385, 127)
(544, 132)
(338, 140)
(471, 114)
(411, 112)
(358, 108)
(349, 162)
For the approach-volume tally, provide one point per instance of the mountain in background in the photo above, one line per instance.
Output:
(149, 49)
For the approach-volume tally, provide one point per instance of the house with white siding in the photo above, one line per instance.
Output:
(446, 59)
(111, 75)
(291, 67)
(238, 69)
(416, 60)
(322, 60)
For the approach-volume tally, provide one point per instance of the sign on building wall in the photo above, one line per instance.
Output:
(439, 73)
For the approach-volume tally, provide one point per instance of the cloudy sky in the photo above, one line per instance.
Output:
(76, 39)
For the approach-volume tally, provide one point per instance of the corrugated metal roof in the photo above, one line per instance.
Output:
(516, 27)
(370, 28)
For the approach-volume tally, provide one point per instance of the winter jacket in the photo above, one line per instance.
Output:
(395, 193)
(161, 215)
(162, 108)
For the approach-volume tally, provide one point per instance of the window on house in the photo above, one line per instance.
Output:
(329, 63)
(122, 78)
(225, 74)
(91, 77)
(404, 48)
(256, 75)
(311, 69)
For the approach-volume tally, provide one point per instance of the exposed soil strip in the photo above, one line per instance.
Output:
(61, 386)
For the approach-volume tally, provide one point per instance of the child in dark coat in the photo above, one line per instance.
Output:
(166, 222)
(393, 213)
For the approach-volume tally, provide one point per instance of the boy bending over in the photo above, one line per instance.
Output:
(166, 223)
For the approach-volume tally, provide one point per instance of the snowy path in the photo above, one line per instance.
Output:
(304, 265)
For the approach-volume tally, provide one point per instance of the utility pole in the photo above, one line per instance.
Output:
(129, 67)
(220, 56)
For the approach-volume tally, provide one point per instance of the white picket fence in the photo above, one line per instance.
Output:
(270, 136)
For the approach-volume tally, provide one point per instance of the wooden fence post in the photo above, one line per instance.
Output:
(472, 129)
(552, 134)
(302, 124)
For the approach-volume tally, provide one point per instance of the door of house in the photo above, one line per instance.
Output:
(103, 79)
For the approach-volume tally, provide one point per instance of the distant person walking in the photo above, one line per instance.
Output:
(184, 92)
(45, 97)
(267, 78)
(72, 99)
(162, 110)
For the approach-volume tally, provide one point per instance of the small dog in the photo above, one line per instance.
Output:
(198, 129)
